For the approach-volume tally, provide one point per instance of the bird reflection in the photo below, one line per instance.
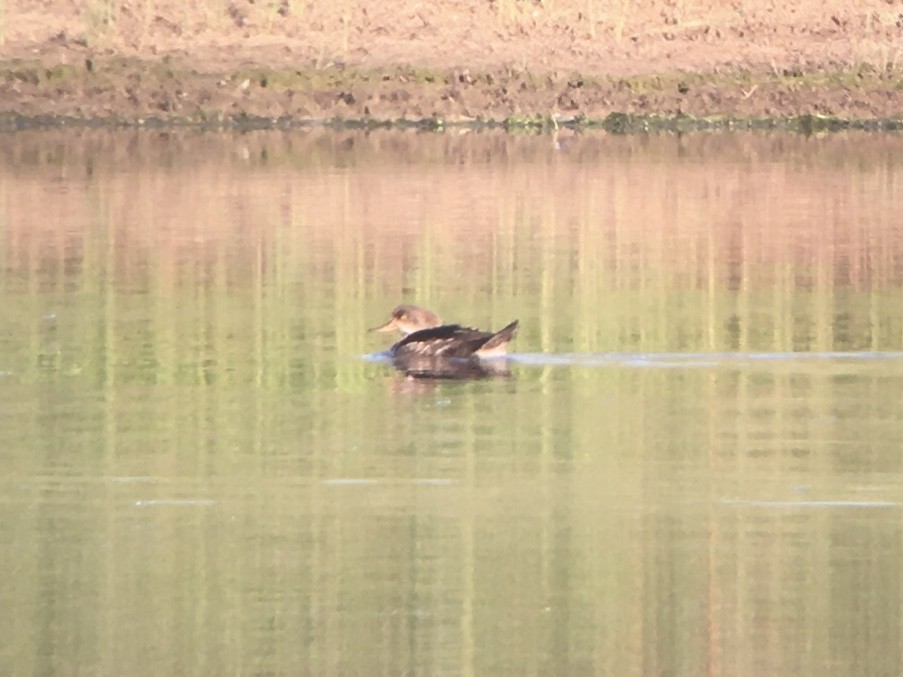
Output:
(454, 368)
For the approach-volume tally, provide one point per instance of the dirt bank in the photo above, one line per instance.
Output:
(455, 60)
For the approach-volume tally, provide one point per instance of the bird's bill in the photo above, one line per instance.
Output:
(388, 326)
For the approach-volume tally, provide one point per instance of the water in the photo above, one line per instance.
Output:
(693, 468)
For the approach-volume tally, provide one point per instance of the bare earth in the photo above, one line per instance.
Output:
(455, 60)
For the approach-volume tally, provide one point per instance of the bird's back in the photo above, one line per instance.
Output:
(454, 340)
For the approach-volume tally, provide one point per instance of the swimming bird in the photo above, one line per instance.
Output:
(426, 336)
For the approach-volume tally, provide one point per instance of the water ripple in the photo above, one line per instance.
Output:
(698, 360)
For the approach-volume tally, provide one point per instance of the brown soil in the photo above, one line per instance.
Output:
(452, 60)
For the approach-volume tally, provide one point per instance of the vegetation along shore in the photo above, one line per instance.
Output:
(620, 64)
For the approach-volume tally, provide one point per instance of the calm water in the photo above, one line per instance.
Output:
(694, 468)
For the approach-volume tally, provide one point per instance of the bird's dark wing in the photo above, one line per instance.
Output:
(449, 340)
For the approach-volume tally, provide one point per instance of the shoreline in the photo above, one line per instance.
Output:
(614, 123)
(116, 91)
(515, 64)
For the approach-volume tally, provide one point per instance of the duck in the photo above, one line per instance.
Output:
(424, 336)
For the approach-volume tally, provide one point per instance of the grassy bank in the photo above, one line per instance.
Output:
(511, 62)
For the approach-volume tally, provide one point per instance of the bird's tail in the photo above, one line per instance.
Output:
(498, 342)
